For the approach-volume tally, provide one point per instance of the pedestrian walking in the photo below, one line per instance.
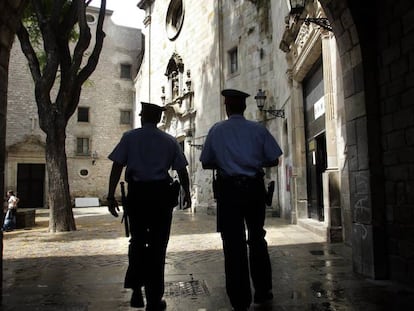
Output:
(238, 149)
(12, 200)
(148, 154)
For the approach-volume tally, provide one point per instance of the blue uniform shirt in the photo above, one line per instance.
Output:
(148, 153)
(239, 147)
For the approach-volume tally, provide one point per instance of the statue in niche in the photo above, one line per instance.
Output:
(188, 82)
(175, 84)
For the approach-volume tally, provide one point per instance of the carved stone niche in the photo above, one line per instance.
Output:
(174, 74)
(177, 96)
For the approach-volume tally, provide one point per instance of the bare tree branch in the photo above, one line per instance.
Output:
(29, 52)
(100, 36)
(92, 60)
(84, 38)
(49, 41)
(68, 22)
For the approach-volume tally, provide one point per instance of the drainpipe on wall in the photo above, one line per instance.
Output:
(221, 55)
(149, 55)
(147, 6)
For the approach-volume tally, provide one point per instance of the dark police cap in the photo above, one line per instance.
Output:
(234, 97)
(234, 93)
(148, 108)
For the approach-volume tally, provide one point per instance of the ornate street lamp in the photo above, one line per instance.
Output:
(190, 141)
(260, 101)
(296, 6)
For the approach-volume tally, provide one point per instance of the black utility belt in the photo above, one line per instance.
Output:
(240, 178)
(149, 182)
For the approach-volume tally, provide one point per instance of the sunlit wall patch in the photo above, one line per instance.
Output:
(174, 19)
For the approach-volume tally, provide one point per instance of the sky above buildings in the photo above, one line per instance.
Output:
(126, 12)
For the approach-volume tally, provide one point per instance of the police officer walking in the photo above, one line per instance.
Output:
(148, 153)
(239, 149)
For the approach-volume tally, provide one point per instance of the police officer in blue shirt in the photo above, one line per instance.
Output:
(148, 153)
(239, 149)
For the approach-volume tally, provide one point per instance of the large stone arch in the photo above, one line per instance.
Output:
(375, 56)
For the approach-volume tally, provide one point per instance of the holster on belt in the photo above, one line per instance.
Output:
(124, 200)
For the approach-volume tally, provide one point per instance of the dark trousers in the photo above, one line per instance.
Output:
(241, 204)
(150, 216)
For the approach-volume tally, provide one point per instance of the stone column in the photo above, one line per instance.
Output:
(298, 182)
(331, 185)
(329, 74)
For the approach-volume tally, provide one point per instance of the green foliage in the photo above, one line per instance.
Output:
(31, 23)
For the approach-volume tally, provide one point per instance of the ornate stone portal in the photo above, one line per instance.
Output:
(305, 44)
(177, 97)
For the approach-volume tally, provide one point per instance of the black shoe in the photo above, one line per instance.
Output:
(136, 299)
(240, 309)
(262, 297)
(160, 306)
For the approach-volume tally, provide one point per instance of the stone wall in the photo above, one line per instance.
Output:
(375, 42)
(395, 86)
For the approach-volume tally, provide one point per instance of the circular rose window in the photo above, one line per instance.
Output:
(175, 18)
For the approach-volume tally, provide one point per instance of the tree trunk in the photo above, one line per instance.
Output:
(61, 215)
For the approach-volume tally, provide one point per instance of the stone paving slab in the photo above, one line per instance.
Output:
(84, 269)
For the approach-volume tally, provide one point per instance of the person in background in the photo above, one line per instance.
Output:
(10, 217)
(238, 150)
(148, 153)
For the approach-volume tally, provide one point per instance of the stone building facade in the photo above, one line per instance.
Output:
(320, 196)
(104, 113)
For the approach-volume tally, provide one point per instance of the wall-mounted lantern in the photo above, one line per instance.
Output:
(296, 9)
(261, 100)
(94, 157)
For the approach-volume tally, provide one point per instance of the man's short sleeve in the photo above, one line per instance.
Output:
(120, 152)
(272, 149)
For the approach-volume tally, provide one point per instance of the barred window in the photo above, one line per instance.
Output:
(126, 117)
(233, 61)
(126, 71)
(82, 146)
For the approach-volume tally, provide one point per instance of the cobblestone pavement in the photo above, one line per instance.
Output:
(84, 270)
